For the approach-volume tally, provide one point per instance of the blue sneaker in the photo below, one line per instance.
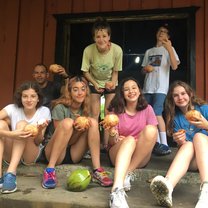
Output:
(49, 178)
(9, 183)
(161, 149)
(1, 182)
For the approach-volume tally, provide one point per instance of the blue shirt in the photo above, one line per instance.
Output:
(180, 122)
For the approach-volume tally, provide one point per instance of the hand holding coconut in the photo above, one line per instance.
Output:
(110, 120)
(109, 86)
(195, 118)
(58, 69)
(35, 129)
(148, 68)
(81, 123)
(180, 137)
(32, 129)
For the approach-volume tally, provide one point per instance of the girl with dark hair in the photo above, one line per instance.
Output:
(16, 143)
(132, 140)
(101, 63)
(192, 139)
(69, 142)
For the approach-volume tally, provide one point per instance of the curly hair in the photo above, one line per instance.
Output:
(171, 108)
(118, 103)
(67, 100)
(26, 86)
(100, 24)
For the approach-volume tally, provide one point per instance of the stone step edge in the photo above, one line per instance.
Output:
(144, 174)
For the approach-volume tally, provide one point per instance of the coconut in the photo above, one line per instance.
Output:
(33, 129)
(149, 68)
(78, 180)
(111, 120)
(82, 121)
(182, 131)
(54, 68)
(193, 115)
(108, 85)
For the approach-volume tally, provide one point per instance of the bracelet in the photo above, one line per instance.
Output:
(112, 135)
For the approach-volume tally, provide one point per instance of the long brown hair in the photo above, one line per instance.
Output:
(67, 100)
(118, 103)
(171, 108)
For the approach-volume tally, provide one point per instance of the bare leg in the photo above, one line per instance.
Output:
(56, 148)
(108, 99)
(130, 154)
(94, 143)
(18, 147)
(144, 146)
(3, 126)
(161, 124)
(201, 146)
(95, 105)
(121, 154)
(181, 163)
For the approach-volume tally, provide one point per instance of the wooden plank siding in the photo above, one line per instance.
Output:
(30, 38)
(9, 20)
(206, 48)
(200, 44)
(28, 34)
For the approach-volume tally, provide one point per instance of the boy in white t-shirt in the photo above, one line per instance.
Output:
(156, 65)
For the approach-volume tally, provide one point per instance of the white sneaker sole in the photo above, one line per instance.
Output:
(8, 191)
(127, 188)
(160, 192)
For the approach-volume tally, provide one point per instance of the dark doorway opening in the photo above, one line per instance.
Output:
(135, 32)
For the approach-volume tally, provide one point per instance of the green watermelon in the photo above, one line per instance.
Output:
(78, 180)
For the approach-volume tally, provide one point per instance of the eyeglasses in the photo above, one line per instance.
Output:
(163, 30)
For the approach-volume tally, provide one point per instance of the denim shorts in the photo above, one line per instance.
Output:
(156, 100)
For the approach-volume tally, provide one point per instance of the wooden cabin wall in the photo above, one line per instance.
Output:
(28, 35)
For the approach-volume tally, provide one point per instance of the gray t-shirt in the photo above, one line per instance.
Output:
(60, 112)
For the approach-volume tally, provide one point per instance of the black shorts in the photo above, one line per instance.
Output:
(67, 159)
(105, 92)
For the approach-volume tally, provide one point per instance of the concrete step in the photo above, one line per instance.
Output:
(158, 165)
(31, 194)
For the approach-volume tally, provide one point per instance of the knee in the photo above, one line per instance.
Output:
(21, 124)
(199, 137)
(151, 132)
(150, 129)
(129, 140)
(93, 123)
(66, 124)
(4, 125)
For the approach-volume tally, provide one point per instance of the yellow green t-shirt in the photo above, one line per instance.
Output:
(100, 66)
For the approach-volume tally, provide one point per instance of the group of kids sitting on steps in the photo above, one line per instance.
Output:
(130, 143)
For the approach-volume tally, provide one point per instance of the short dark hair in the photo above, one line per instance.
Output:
(25, 86)
(99, 24)
(166, 26)
(43, 65)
